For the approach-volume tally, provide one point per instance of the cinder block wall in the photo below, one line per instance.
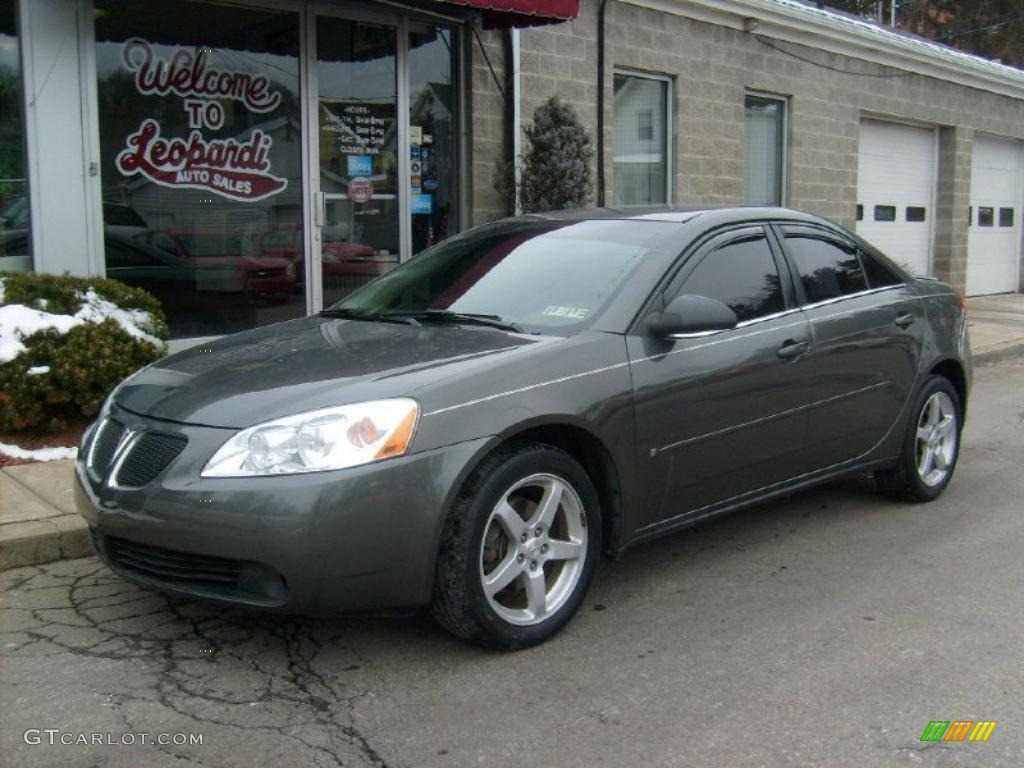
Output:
(712, 67)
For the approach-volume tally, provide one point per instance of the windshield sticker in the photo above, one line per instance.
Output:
(576, 313)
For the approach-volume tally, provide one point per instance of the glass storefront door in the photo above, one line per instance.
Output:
(384, 182)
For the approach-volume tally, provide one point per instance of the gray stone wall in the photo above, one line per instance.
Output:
(712, 67)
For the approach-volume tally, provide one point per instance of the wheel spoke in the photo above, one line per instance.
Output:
(940, 460)
(934, 411)
(947, 425)
(536, 593)
(564, 550)
(923, 434)
(548, 505)
(506, 572)
(924, 466)
(510, 520)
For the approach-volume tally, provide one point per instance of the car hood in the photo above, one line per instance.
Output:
(311, 363)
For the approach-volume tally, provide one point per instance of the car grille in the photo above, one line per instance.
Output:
(198, 574)
(145, 457)
(107, 438)
(148, 457)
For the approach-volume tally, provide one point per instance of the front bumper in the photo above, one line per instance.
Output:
(358, 539)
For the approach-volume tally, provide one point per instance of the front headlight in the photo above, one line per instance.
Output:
(331, 438)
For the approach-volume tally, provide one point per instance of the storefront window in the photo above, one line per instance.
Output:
(432, 135)
(201, 137)
(15, 225)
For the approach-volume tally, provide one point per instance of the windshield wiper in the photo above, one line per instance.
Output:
(447, 316)
(355, 314)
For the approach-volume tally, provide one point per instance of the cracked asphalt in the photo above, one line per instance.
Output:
(824, 629)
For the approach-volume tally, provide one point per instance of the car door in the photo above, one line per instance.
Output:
(866, 326)
(722, 415)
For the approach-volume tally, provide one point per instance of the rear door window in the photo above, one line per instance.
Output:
(827, 267)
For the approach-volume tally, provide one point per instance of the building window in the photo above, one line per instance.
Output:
(643, 124)
(1006, 217)
(15, 224)
(765, 164)
(916, 213)
(986, 217)
(201, 149)
(885, 213)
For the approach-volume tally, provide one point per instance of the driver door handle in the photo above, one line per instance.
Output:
(904, 319)
(791, 349)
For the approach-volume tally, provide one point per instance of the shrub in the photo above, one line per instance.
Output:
(66, 342)
(556, 167)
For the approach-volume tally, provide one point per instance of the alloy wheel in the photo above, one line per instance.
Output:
(534, 548)
(937, 436)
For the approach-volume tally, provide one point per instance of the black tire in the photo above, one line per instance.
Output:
(904, 481)
(459, 602)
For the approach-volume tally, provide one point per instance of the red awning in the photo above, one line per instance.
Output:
(508, 13)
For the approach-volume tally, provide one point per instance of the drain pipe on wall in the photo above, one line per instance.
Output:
(514, 111)
(600, 103)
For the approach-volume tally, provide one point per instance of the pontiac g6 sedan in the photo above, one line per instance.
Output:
(472, 430)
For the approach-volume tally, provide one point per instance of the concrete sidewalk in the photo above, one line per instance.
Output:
(38, 522)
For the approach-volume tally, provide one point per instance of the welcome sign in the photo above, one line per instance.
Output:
(235, 169)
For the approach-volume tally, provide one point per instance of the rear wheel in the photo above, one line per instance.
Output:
(930, 448)
(519, 549)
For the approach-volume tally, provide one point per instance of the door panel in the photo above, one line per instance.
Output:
(720, 415)
(866, 344)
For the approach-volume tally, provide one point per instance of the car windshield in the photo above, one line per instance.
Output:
(538, 276)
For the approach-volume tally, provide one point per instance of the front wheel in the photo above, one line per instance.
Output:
(931, 446)
(519, 548)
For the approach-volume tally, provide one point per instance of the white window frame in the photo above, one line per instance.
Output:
(670, 118)
(786, 134)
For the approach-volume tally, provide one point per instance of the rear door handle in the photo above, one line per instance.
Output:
(904, 319)
(791, 349)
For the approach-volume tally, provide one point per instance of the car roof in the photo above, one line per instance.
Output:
(679, 215)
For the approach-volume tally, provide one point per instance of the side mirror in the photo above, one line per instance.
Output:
(688, 314)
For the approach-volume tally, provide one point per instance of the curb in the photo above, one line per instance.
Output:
(1007, 352)
(43, 541)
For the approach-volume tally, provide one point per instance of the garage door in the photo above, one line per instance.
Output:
(993, 242)
(896, 191)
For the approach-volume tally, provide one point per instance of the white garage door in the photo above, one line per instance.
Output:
(993, 242)
(896, 191)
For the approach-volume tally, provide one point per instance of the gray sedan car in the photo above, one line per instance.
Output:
(472, 430)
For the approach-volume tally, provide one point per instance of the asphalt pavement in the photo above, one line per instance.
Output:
(826, 629)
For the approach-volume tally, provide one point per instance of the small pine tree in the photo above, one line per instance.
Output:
(556, 167)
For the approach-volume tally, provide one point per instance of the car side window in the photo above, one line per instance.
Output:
(878, 274)
(828, 268)
(742, 275)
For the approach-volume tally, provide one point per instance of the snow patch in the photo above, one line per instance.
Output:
(18, 322)
(38, 370)
(38, 454)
